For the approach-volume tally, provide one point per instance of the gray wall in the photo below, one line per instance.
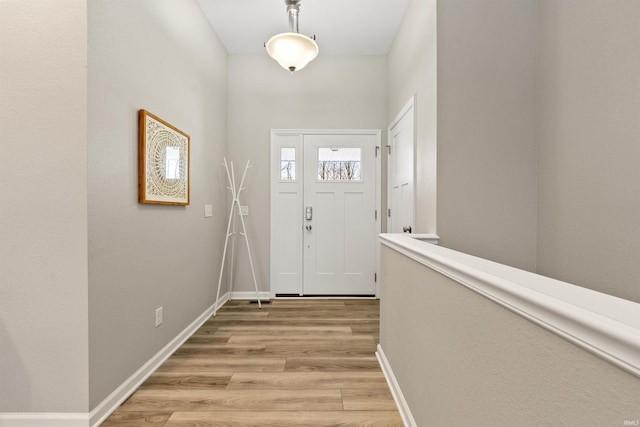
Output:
(487, 117)
(537, 137)
(537, 124)
(412, 69)
(537, 130)
(458, 357)
(162, 56)
(476, 95)
(43, 207)
(333, 92)
(589, 144)
(56, 196)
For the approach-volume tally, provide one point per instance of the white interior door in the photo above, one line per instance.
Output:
(400, 187)
(324, 220)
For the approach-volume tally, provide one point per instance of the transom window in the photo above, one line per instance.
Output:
(339, 164)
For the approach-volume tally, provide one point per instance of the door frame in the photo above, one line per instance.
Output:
(274, 159)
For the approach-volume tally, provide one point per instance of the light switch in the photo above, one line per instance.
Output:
(244, 210)
(208, 211)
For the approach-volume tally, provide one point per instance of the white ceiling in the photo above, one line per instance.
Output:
(341, 27)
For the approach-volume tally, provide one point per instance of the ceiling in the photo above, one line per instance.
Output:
(341, 27)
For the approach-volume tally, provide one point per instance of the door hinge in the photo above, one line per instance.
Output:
(389, 212)
(375, 214)
(389, 148)
(377, 148)
(375, 277)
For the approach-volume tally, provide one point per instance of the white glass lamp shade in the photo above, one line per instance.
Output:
(293, 51)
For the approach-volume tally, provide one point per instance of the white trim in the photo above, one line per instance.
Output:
(120, 394)
(407, 107)
(378, 196)
(396, 392)
(264, 296)
(607, 326)
(43, 419)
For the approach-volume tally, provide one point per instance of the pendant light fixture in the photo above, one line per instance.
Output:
(292, 50)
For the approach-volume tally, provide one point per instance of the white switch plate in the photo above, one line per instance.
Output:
(158, 316)
(208, 211)
(244, 210)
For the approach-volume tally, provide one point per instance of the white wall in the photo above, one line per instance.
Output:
(589, 228)
(43, 207)
(487, 117)
(162, 56)
(332, 92)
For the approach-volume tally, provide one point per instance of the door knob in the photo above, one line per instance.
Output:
(308, 227)
(406, 229)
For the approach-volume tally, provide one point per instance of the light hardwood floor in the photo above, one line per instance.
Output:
(292, 363)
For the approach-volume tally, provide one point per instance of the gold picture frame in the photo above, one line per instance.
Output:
(164, 159)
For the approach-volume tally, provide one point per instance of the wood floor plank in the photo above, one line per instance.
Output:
(223, 364)
(208, 331)
(286, 419)
(296, 348)
(210, 400)
(357, 364)
(206, 339)
(187, 379)
(229, 331)
(371, 399)
(334, 320)
(124, 418)
(301, 340)
(340, 350)
(306, 380)
(220, 349)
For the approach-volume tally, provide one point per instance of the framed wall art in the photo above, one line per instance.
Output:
(163, 155)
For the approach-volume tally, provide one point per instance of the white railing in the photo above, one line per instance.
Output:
(604, 325)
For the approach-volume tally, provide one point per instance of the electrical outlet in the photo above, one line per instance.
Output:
(244, 210)
(158, 316)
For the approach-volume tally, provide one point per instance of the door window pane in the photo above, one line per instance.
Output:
(288, 164)
(339, 164)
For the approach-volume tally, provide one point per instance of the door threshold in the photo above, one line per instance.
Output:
(297, 296)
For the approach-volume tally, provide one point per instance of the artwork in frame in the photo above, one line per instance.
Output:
(164, 156)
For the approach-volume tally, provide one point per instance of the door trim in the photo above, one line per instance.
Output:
(273, 183)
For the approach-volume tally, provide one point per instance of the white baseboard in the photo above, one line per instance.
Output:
(119, 395)
(43, 419)
(401, 403)
(250, 295)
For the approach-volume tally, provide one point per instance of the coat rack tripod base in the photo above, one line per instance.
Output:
(231, 225)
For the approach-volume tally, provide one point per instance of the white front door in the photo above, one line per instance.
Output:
(400, 172)
(324, 220)
(340, 230)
